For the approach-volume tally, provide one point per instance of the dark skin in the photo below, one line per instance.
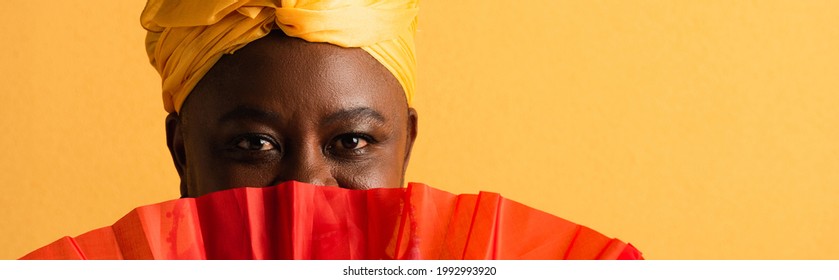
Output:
(284, 109)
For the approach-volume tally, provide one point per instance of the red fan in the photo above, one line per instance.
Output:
(301, 221)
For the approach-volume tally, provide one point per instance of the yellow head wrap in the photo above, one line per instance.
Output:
(186, 37)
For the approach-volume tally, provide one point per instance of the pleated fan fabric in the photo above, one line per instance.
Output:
(300, 221)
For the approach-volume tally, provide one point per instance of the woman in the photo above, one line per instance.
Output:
(261, 93)
(283, 108)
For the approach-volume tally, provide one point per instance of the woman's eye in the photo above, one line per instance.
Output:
(255, 144)
(352, 142)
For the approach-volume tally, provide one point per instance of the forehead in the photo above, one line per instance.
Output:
(295, 79)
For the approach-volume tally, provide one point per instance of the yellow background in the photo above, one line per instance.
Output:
(692, 129)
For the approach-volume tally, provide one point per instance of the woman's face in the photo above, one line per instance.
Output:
(283, 109)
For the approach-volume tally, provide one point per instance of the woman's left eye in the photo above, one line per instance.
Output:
(350, 142)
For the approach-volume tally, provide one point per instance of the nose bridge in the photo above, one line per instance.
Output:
(306, 163)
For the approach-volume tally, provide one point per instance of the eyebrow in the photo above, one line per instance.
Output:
(355, 114)
(245, 112)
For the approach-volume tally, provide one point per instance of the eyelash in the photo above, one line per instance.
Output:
(364, 136)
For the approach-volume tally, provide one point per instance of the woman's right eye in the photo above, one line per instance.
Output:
(255, 143)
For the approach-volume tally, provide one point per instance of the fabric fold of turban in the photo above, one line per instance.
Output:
(186, 37)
